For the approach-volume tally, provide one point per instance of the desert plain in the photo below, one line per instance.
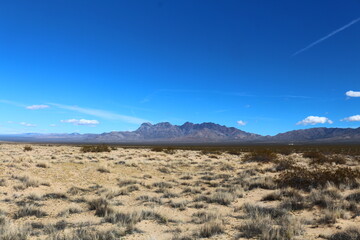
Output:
(65, 192)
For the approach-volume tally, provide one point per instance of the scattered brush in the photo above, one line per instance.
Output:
(304, 178)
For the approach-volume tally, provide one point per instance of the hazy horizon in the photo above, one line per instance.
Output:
(99, 66)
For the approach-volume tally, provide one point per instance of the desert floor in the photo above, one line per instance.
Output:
(59, 192)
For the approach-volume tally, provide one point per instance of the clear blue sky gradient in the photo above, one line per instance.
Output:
(124, 62)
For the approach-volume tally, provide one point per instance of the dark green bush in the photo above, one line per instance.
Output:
(28, 148)
(95, 148)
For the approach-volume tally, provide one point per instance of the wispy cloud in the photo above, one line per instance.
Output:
(12, 103)
(149, 97)
(355, 118)
(241, 123)
(37, 107)
(352, 94)
(101, 113)
(81, 122)
(27, 124)
(327, 36)
(312, 120)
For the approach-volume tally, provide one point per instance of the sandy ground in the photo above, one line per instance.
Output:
(176, 187)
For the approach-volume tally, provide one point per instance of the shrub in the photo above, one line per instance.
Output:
(103, 169)
(303, 178)
(157, 149)
(313, 155)
(180, 205)
(69, 211)
(95, 148)
(284, 164)
(203, 217)
(42, 165)
(263, 155)
(320, 158)
(28, 148)
(167, 150)
(101, 206)
(76, 190)
(223, 198)
(55, 196)
(10, 231)
(352, 233)
(2, 182)
(354, 197)
(127, 182)
(269, 223)
(27, 181)
(296, 202)
(88, 234)
(274, 196)
(123, 218)
(29, 210)
(325, 198)
(146, 198)
(210, 229)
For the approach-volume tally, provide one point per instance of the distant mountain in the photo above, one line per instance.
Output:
(204, 132)
(319, 134)
(195, 133)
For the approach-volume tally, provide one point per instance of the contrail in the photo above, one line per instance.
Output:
(327, 36)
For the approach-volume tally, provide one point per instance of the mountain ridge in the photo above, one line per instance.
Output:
(197, 132)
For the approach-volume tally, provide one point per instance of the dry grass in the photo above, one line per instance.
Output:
(104, 192)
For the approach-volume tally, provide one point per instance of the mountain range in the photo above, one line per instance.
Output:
(195, 133)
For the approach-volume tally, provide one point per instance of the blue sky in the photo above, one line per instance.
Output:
(96, 66)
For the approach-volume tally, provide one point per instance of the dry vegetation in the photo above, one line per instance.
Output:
(100, 192)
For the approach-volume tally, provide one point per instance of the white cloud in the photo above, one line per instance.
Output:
(52, 125)
(36, 107)
(312, 120)
(355, 118)
(352, 93)
(27, 124)
(241, 123)
(102, 114)
(81, 121)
